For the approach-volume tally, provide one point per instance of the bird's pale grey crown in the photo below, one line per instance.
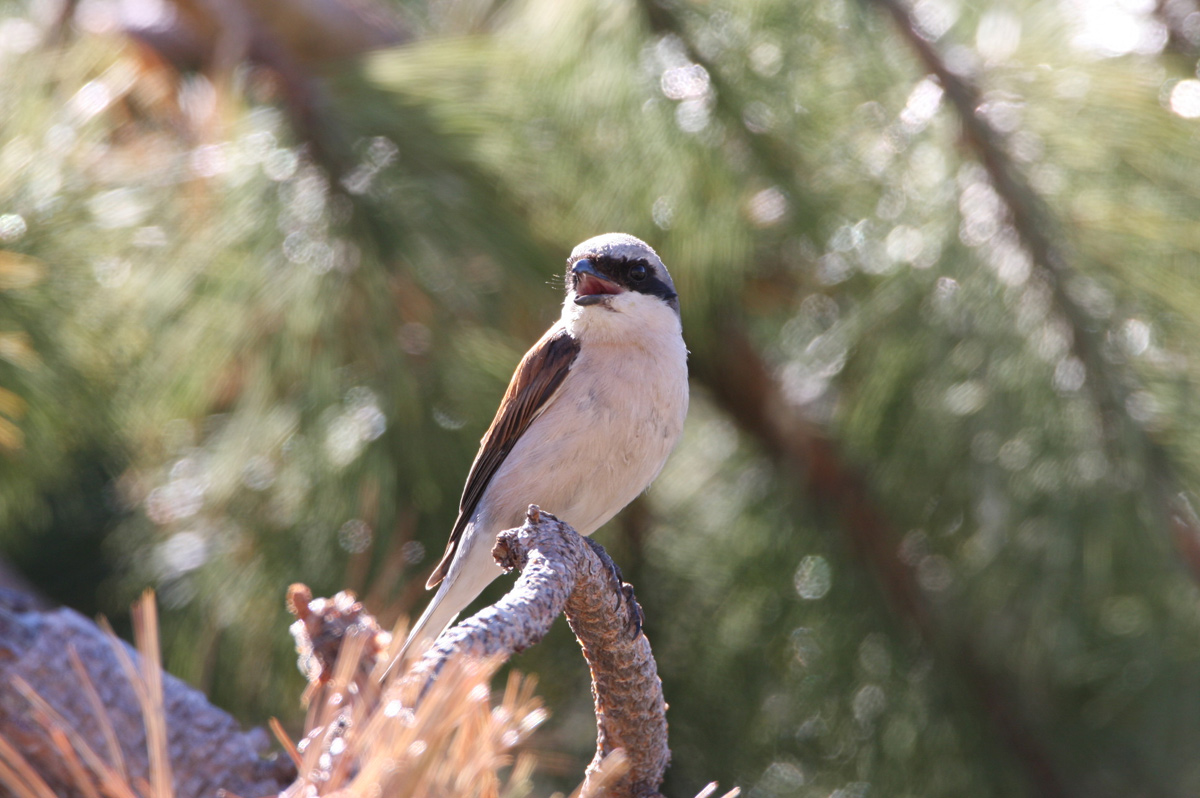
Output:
(616, 255)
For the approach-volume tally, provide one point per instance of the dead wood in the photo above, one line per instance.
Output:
(561, 571)
(83, 692)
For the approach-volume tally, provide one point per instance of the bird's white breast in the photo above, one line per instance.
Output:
(608, 430)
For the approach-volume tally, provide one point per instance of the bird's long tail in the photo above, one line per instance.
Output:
(464, 583)
(440, 613)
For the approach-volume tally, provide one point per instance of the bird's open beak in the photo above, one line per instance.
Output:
(591, 286)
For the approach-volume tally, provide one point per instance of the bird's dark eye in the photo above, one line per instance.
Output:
(637, 272)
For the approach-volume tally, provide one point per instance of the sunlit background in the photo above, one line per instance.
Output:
(265, 270)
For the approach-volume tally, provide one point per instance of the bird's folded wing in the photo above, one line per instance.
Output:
(535, 381)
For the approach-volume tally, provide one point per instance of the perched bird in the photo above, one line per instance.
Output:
(590, 416)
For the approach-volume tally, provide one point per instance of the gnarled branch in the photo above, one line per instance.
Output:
(560, 572)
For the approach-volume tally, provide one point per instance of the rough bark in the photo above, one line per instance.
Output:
(340, 645)
(45, 649)
(562, 571)
(630, 711)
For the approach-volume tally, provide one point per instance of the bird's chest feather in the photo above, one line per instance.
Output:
(604, 436)
(629, 401)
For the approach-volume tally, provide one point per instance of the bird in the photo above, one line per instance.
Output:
(590, 416)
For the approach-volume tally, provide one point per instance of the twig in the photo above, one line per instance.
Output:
(320, 631)
(285, 741)
(17, 773)
(145, 631)
(99, 713)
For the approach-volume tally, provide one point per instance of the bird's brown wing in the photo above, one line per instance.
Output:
(537, 377)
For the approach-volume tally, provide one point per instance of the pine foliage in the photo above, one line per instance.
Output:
(278, 336)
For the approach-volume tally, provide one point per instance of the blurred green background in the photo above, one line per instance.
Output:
(265, 269)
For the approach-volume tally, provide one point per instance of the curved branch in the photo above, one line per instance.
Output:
(563, 571)
(560, 572)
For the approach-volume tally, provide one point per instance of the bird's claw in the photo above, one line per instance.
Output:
(636, 617)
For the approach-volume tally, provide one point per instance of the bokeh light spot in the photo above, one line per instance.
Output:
(1185, 99)
(813, 578)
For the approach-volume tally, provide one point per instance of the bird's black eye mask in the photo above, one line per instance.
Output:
(633, 275)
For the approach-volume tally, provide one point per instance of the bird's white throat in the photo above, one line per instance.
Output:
(627, 318)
